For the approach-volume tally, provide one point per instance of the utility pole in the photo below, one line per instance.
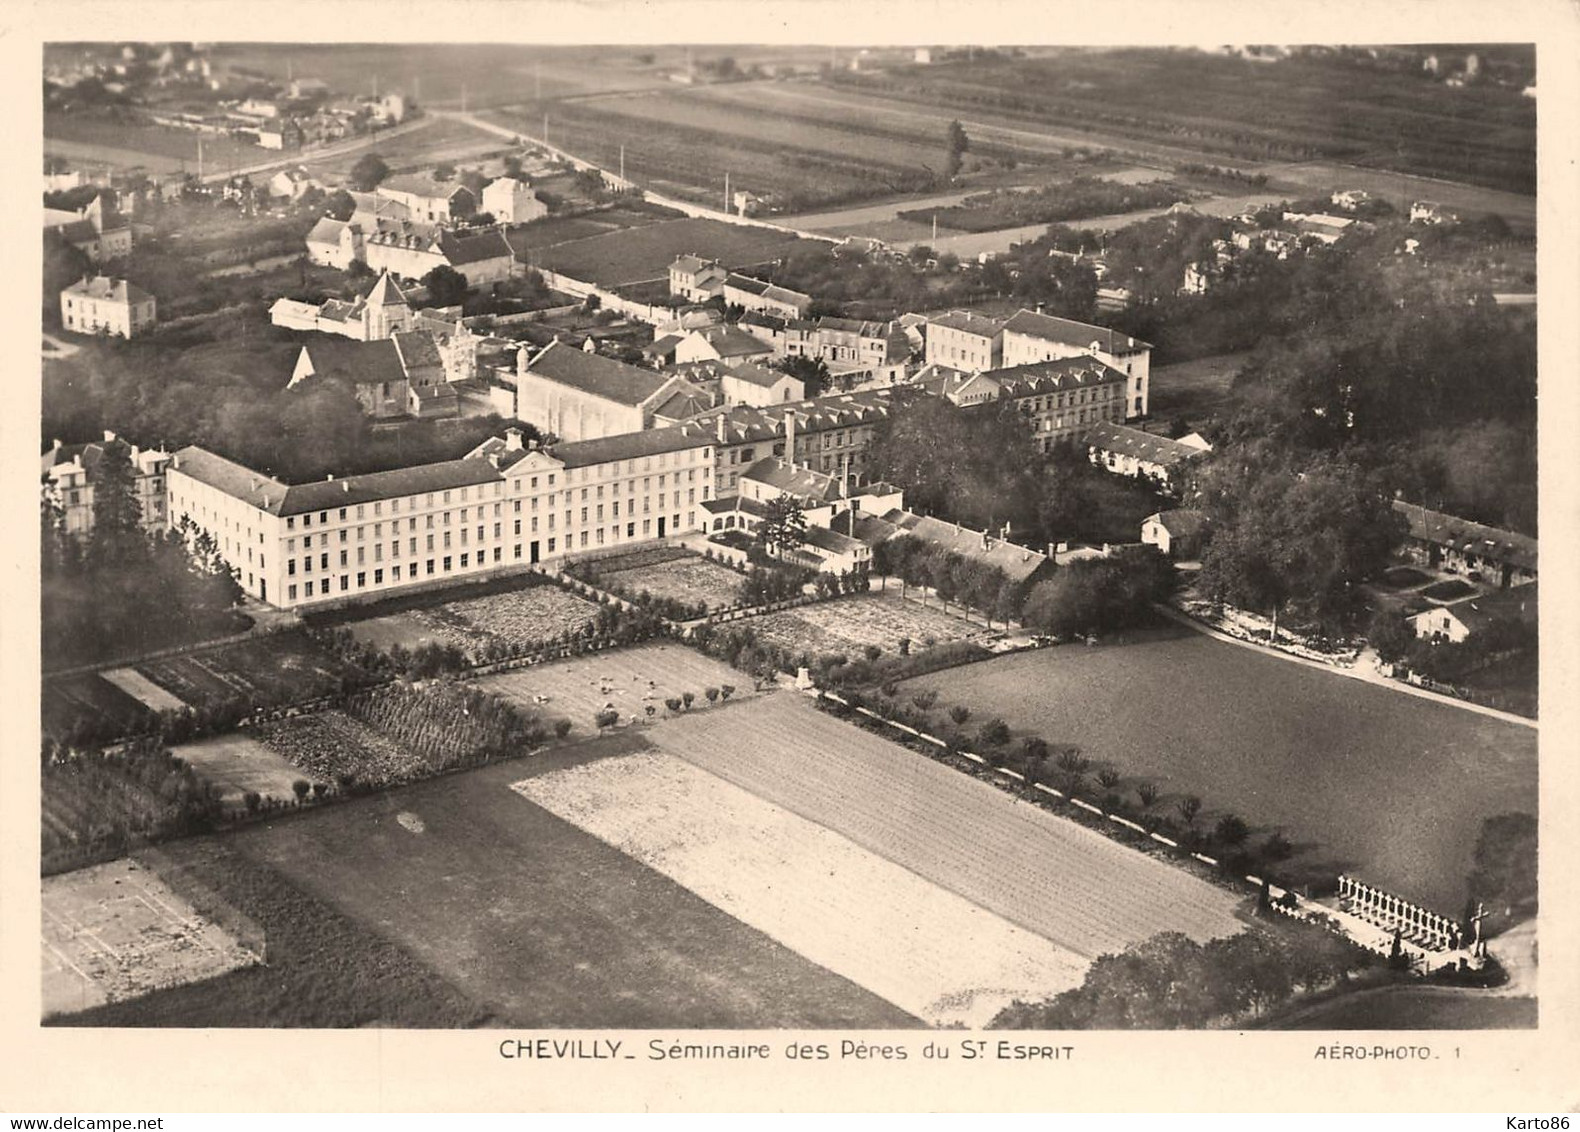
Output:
(200, 157)
(935, 227)
(726, 192)
(622, 166)
(545, 127)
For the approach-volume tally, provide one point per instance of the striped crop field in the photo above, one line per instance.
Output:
(1087, 894)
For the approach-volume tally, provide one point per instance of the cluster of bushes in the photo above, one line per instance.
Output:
(1220, 173)
(99, 805)
(1099, 595)
(1062, 766)
(781, 581)
(1075, 199)
(1171, 982)
(608, 717)
(448, 724)
(955, 578)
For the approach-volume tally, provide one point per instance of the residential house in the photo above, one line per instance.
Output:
(510, 201)
(70, 472)
(1131, 452)
(1031, 336)
(1350, 199)
(96, 229)
(697, 279)
(100, 304)
(1023, 566)
(1177, 534)
(292, 184)
(334, 243)
(766, 298)
(411, 251)
(1459, 546)
(427, 200)
(721, 343)
(576, 395)
(1459, 621)
(1430, 212)
(281, 133)
(752, 384)
(374, 371)
(1319, 226)
(965, 340)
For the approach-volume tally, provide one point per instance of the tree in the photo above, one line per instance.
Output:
(957, 143)
(959, 714)
(368, 171)
(340, 205)
(993, 734)
(1390, 635)
(117, 515)
(811, 372)
(444, 171)
(783, 525)
(64, 264)
(1307, 535)
(300, 787)
(1148, 793)
(1190, 809)
(446, 286)
(605, 718)
(1231, 830)
(711, 695)
(688, 698)
(1504, 873)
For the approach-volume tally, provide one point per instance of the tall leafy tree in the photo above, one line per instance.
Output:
(783, 525)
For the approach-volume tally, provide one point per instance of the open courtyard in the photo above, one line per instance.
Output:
(1362, 779)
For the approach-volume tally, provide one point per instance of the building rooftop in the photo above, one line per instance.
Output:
(759, 375)
(1061, 373)
(1068, 332)
(1515, 603)
(1125, 441)
(969, 322)
(791, 479)
(632, 445)
(599, 376)
(1017, 562)
(1182, 522)
(475, 247)
(1467, 537)
(361, 363)
(730, 342)
(109, 289)
(422, 184)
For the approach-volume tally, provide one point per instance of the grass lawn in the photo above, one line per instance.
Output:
(1362, 779)
(1449, 589)
(1197, 389)
(1409, 1007)
(639, 254)
(237, 763)
(456, 902)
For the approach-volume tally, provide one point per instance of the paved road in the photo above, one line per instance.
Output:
(339, 149)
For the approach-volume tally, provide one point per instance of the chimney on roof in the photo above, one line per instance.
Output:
(56, 446)
(345, 485)
(790, 415)
(108, 436)
(330, 478)
(721, 428)
(512, 440)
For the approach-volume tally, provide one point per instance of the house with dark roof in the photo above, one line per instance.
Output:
(580, 395)
(765, 298)
(100, 304)
(372, 369)
(1131, 452)
(1177, 534)
(1459, 546)
(70, 472)
(697, 279)
(1021, 565)
(1461, 620)
(1031, 336)
(427, 199)
(411, 250)
(96, 229)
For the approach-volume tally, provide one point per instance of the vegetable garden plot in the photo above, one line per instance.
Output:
(907, 940)
(690, 579)
(860, 620)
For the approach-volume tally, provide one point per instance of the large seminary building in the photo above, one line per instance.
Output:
(502, 507)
